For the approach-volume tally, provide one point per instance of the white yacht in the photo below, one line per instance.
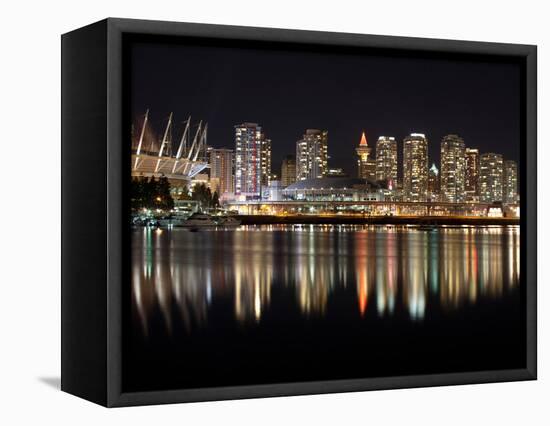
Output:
(199, 220)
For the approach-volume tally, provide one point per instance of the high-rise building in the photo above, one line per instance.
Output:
(366, 164)
(510, 185)
(453, 169)
(312, 155)
(266, 161)
(204, 153)
(471, 186)
(386, 159)
(415, 167)
(251, 164)
(490, 177)
(288, 171)
(433, 184)
(221, 168)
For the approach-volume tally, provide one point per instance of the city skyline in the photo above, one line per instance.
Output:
(368, 151)
(463, 175)
(391, 143)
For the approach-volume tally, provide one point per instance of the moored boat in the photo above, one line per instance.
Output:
(228, 221)
(199, 220)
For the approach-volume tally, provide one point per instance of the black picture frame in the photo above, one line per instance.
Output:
(94, 175)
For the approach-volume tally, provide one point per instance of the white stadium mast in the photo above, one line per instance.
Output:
(184, 165)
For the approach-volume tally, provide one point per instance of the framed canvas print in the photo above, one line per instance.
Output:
(251, 212)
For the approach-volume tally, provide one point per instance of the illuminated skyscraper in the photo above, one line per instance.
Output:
(453, 169)
(510, 186)
(366, 165)
(490, 177)
(433, 184)
(251, 164)
(288, 171)
(312, 155)
(386, 159)
(471, 186)
(221, 168)
(266, 161)
(415, 167)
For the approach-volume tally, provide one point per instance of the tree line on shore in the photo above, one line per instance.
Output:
(152, 193)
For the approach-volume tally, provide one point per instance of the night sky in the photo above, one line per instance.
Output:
(287, 91)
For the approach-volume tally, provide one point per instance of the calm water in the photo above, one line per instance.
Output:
(295, 303)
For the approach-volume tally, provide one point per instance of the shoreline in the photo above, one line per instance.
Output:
(374, 220)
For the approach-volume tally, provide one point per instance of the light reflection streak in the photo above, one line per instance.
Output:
(362, 272)
(181, 276)
(414, 274)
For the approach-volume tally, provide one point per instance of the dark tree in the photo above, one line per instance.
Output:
(203, 195)
(151, 194)
(215, 200)
(163, 199)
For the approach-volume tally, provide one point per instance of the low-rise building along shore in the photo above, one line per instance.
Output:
(374, 208)
(326, 196)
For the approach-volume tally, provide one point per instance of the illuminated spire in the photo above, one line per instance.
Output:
(363, 140)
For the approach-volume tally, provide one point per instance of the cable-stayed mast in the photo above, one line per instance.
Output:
(142, 134)
(183, 144)
(202, 142)
(164, 142)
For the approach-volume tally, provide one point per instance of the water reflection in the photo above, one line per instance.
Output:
(185, 277)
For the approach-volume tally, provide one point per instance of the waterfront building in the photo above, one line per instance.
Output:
(275, 191)
(471, 186)
(288, 170)
(386, 159)
(415, 167)
(251, 162)
(221, 170)
(334, 189)
(453, 169)
(433, 184)
(312, 155)
(366, 164)
(490, 177)
(510, 185)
